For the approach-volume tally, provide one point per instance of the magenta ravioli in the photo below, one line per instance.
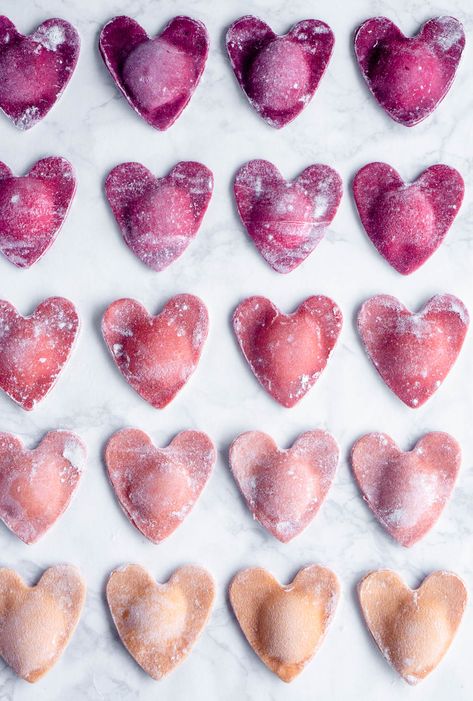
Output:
(279, 74)
(33, 208)
(286, 220)
(159, 217)
(156, 75)
(409, 76)
(407, 222)
(35, 69)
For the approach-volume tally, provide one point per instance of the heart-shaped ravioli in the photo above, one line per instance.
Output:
(413, 352)
(33, 208)
(37, 485)
(158, 487)
(407, 222)
(156, 354)
(159, 217)
(35, 69)
(286, 220)
(284, 489)
(279, 74)
(409, 76)
(160, 623)
(34, 349)
(407, 492)
(285, 625)
(157, 76)
(36, 623)
(287, 352)
(412, 628)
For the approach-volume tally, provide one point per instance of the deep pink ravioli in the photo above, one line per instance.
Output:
(407, 492)
(156, 354)
(287, 352)
(279, 74)
(158, 487)
(37, 485)
(157, 76)
(159, 217)
(409, 76)
(413, 352)
(407, 222)
(33, 208)
(35, 69)
(286, 220)
(284, 489)
(34, 349)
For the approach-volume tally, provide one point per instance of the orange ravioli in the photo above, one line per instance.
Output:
(36, 623)
(412, 628)
(159, 623)
(285, 625)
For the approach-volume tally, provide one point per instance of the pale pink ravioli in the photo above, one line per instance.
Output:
(413, 352)
(284, 489)
(157, 76)
(279, 74)
(286, 220)
(407, 222)
(34, 349)
(37, 485)
(406, 491)
(156, 354)
(287, 352)
(33, 208)
(159, 217)
(158, 487)
(409, 76)
(35, 69)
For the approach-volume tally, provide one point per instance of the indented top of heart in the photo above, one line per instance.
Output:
(35, 69)
(412, 628)
(157, 76)
(285, 625)
(279, 74)
(409, 76)
(160, 623)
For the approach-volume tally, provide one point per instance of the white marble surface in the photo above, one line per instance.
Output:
(94, 127)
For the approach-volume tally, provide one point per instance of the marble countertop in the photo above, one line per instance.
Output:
(95, 129)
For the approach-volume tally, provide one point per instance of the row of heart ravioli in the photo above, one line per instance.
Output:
(279, 74)
(285, 625)
(159, 217)
(284, 489)
(412, 352)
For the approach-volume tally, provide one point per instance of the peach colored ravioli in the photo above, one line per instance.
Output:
(160, 623)
(412, 628)
(36, 623)
(284, 489)
(285, 625)
(158, 487)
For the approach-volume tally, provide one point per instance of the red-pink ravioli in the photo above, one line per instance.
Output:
(407, 222)
(284, 489)
(158, 487)
(287, 352)
(156, 354)
(35, 69)
(286, 220)
(157, 76)
(409, 76)
(413, 352)
(159, 217)
(279, 74)
(33, 208)
(406, 491)
(34, 349)
(37, 485)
